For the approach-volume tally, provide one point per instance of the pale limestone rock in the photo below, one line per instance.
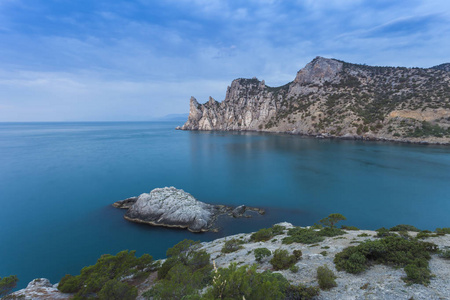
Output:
(303, 106)
(171, 207)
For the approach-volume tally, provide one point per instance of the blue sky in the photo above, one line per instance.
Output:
(101, 60)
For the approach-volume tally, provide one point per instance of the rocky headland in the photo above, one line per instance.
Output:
(332, 98)
(377, 282)
(171, 207)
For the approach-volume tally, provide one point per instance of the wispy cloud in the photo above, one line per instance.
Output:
(122, 60)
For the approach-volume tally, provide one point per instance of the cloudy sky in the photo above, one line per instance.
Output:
(114, 60)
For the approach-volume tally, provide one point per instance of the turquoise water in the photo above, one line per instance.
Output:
(57, 181)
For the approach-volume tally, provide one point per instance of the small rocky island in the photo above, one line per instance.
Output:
(171, 207)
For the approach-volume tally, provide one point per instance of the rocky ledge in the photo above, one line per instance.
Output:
(378, 282)
(171, 207)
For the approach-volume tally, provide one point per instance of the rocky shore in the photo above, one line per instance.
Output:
(330, 98)
(171, 207)
(378, 282)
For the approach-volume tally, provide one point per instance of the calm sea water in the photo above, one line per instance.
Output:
(57, 181)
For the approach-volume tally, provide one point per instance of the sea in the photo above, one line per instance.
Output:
(58, 181)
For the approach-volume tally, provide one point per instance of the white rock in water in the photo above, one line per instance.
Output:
(173, 208)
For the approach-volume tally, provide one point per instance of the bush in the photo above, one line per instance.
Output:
(237, 283)
(262, 235)
(326, 278)
(404, 227)
(278, 229)
(302, 235)
(108, 267)
(294, 269)
(186, 271)
(394, 251)
(7, 284)
(260, 253)
(416, 274)
(184, 253)
(298, 254)
(424, 235)
(232, 246)
(301, 292)
(266, 234)
(384, 232)
(180, 283)
(445, 254)
(282, 260)
(331, 231)
(115, 289)
(349, 227)
(445, 230)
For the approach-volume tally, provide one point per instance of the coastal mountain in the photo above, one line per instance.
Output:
(333, 98)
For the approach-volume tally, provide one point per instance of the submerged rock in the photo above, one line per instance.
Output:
(125, 204)
(173, 207)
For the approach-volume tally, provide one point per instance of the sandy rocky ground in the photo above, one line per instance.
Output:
(379, 282)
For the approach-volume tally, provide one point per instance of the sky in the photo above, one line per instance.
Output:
(136, 60)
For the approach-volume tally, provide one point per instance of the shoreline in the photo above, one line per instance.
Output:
(330, 136)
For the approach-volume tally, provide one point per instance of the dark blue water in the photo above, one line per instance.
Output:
(57, 181)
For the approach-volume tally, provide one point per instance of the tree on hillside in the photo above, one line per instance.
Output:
(7, 284)
(332, 219)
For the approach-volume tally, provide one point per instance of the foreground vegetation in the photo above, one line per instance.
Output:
(189, 273)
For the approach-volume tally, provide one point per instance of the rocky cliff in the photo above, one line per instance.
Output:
(333, 98)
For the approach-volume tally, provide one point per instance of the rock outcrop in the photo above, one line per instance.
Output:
(173, 207)
(332, 98)
(378, 282)
(40, 289)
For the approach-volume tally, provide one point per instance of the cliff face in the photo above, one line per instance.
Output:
(329, 97)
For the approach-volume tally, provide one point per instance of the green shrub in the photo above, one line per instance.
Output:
(363, 235)
(262, 235)
(416, 274)
(404, 227)
(445, 254)
(445, 230)
(423, 235)
(278, 229)
(324, 253)
(185, 252)
(384, 232)
(317, 226)
(180, 283)
(301, 292)
(115, 289)
(349, 227)
(108, 267)
(232, 246)
(394, 251)
(7, 284)
(260, 253)
(266, 234)
(332, 220)
(331, 231)
(298, 254)
(302, 235)
(326, 278)
(183, 274)
(294, 268)
(282, 260)
(237, 283)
